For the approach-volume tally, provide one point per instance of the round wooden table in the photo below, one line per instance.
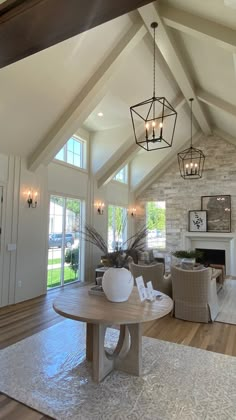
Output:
(99, 313)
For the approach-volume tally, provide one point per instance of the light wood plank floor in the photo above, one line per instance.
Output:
(25, 319)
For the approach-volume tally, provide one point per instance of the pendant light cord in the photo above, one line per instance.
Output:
(154, 61)
(191, 119)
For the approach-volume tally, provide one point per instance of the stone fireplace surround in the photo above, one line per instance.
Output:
(212, 240)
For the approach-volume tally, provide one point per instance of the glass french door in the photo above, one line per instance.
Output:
(64, 254)
(117, 227)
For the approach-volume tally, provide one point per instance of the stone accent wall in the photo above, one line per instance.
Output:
(183, 195)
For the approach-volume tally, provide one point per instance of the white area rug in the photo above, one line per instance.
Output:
(48, 372)
(227, 303)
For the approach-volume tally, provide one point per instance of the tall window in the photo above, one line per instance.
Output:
(117, 227)
(64, 247)
(122, 175)
(73, 152)
(156, 224)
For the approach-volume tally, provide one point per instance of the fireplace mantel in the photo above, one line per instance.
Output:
(213, 240)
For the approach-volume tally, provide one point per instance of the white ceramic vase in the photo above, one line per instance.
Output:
(117, 284)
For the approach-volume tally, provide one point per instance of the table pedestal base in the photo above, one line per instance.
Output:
(127, 355)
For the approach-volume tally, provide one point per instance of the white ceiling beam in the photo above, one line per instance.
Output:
(225, 136)
(87, 99)
(162, 65)
(234, 60)
(215, 102)
(126, 153)
(199, 27)
(120, 160)
(162, 166)
(169, 50)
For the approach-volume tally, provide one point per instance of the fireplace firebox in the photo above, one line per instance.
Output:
(212, 256)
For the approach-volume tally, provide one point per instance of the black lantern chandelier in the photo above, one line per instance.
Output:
(191, 161)
(154, 120)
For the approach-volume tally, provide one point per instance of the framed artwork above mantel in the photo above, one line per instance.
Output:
(218, 209)
(197, 221)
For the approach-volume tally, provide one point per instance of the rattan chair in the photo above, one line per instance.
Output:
(155, 274)
(194, 294)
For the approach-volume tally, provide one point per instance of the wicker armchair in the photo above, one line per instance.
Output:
(155, 274)
(194, 294)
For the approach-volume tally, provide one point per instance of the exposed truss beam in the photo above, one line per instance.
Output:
(162, 65)
(216, 102)
(199, 27)
(224, 135)
(126, 153)
(86, 100)
(234, 60)
(162, 166)
(170, 52)
(119, 160)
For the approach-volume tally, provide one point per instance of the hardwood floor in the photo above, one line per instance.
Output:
(25, 319)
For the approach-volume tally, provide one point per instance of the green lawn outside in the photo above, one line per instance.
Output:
(54, 261)
(54, 276)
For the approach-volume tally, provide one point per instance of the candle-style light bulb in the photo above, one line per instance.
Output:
(153, 129)
(161, 129)
(147, 128)
(196, 168)
(191, 167)
(29, 200)
(186, 167)
(133, 211)
(35, 198)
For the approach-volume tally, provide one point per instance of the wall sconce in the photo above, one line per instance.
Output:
(100, 207)
(132, 212)
(32, 199)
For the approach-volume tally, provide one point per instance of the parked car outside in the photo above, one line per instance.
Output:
(55, 240)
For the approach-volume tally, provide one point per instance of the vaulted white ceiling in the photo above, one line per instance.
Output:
(47, 97)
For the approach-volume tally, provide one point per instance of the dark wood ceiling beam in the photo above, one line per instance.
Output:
(29, 26)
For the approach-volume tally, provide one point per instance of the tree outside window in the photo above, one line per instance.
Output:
(117, 227)
(156, 224)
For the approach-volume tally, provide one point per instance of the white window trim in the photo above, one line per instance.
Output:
(69, 165)
(126, 181)
(83, 158)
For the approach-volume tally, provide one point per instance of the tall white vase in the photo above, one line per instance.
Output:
(117, 284)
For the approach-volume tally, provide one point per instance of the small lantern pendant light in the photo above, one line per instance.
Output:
(155, 116)
(191, 161)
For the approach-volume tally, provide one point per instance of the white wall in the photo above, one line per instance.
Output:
(32, 243)
(66, 180)
(23, 271)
